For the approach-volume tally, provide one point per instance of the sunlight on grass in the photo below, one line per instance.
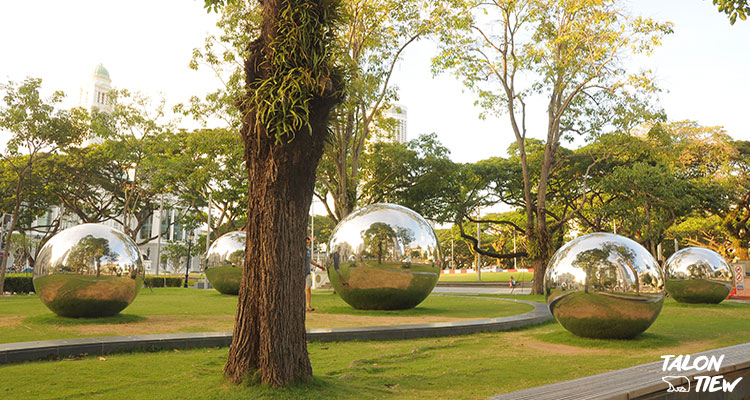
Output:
(177, 310)
(460, 367)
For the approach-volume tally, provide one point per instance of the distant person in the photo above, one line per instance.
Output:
(512, 282)
(308, 273)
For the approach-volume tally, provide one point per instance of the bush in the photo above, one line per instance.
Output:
(23, 283)
(19, 283)
(162, 281)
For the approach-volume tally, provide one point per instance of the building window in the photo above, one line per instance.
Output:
(145, 231)
(178, 231)
(164, 218)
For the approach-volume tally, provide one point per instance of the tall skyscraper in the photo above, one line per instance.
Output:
(398, 113)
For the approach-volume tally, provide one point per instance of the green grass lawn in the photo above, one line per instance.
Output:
(462, 367)
(175, 310)
(488, 277)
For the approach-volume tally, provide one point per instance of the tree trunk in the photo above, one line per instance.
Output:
(269, 339)
(539, 265)
(269, 335)
(739, 249)
(13, 224)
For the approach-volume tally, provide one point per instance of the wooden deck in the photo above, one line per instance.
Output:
(645, 382)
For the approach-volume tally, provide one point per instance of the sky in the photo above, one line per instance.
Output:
(146, 46)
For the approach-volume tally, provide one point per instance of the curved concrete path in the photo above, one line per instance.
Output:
(24, 351)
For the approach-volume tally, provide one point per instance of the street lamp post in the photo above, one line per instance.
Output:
(191, 235)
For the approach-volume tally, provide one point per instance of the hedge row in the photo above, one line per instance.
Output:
(162, 281)
(18, 283)
(24, 284)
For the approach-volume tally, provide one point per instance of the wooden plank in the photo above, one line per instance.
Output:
(630, 382)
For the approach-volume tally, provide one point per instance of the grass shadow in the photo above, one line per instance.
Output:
(724, 305)
(412, 312)
(327, 388)
(642, 341)
(56, 320)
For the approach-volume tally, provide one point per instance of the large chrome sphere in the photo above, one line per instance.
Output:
(604, 286)
(698, 275)
(89, 270)
(225, 260)
(383, 257)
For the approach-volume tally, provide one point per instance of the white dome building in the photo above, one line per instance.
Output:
(95, 95)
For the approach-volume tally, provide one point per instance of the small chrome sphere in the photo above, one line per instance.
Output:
(698, 275)
(225, 260)
(383, 257)
(89, 270)
(604, 286)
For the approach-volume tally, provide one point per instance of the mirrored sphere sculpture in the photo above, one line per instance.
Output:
(89, 270)
(604, 286)
(383, 257)
(225, 260)
(698, 275)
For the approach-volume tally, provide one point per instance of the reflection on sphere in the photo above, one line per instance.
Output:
(383, 257)
(604, 286)
(90, 270)
(698, 275)
(225, 260)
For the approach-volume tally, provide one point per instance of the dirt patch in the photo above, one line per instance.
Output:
(9, 321)
(159, 324)
(561, 349)
(527, 343)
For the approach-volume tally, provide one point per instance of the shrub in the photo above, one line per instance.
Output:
(162, 281)
(19, 283)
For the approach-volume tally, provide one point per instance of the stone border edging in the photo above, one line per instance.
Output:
(26, 351)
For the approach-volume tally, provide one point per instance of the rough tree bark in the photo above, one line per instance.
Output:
(13, 225)
(269, 339)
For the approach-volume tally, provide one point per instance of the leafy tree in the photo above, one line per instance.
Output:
(733, 9)
(703, 231)
(570, 53)
(323, 227)
(452, 243)
(175, 253)
(36, 224)
(290, 86)
(416, 175)
(37, 130)
(647, 200)
(207, 164)
(373, 36)
(135, 145)
(84, 181)
(737, 219)
(657, 179)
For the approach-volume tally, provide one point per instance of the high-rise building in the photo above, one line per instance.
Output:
(398, 133)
